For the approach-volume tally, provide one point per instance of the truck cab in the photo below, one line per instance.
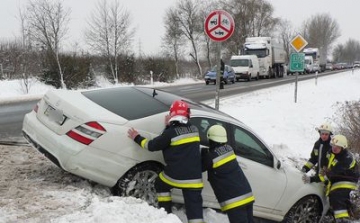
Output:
(309, 64)
(271, 55)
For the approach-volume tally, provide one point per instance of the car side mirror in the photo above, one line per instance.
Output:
(278, 164)
(251, 66)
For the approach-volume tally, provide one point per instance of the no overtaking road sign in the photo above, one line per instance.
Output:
(219, 25)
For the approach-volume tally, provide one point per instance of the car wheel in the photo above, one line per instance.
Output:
(307, 210)
(139, 182)
(207, 82)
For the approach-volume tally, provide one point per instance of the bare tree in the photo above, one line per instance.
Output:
(48, 24)
(287, 33)
(252, 18)
(239, 10)
(264, 22)
(205, 9)
(173, 39)
(321, 31)
(348, 52)
(109, 32)
(191, 26)
(352, 48)
(338, 53)
(26, 46)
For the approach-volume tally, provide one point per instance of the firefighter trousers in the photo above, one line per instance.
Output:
(339, 202)
(242, 214)
(192, 198)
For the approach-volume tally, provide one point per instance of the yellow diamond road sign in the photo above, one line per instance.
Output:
(298, 43)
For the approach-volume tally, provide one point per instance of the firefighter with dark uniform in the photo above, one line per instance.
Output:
(180, 145)
(340, 177)
(320, 149)
(227, 179)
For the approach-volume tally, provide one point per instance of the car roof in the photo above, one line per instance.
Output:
(134, 102)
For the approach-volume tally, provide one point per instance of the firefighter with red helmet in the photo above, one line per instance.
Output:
(320, 149)
(180, 145)
(227, 179)
(340, 177)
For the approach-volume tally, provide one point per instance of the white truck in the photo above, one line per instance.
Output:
(309, 64)
(318, 57)
(272, 56)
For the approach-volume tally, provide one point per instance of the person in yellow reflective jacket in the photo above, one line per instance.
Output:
(227, 179)
(180, 145)
(340, 177)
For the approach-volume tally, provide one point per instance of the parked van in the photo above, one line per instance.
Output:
(245, 67)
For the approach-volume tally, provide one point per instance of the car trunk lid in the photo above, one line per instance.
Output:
(63, 110)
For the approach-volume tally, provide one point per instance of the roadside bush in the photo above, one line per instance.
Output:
(347, 118)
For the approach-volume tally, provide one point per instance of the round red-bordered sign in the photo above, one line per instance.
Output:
(219, 25)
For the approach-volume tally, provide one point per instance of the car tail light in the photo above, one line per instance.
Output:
(87, 133)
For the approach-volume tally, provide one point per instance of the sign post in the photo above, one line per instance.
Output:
(297, 59)
(219, 26)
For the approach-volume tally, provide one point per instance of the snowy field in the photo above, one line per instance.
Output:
(34, 190)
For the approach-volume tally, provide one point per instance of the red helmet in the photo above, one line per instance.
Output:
(179, 108)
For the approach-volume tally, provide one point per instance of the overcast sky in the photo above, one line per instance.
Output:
(147, 16)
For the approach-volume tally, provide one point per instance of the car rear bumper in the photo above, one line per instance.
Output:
(85, 161)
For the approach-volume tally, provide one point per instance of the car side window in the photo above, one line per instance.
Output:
(203, 124)
(248, 146)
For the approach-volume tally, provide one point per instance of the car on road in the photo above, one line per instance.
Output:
(356, 64)
(227, 76)
(329, 66)
(316, 68)
(85, 133)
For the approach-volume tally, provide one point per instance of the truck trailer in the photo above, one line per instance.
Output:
(271, 55)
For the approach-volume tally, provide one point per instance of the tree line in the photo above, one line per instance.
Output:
(186, 49)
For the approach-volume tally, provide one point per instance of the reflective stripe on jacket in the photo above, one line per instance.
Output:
(180, 145)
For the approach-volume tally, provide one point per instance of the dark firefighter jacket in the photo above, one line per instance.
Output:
(324, 146)
(228, 181)
(180, 145)
(341, 171)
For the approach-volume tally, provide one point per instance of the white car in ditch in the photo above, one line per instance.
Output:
(85, 133)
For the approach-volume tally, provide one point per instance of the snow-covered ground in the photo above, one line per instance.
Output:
(34, 190)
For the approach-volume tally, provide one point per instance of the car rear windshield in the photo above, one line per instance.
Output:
(132, 102)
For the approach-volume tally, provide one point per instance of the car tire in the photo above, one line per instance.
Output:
(207, 82)
(139, 182)
(308, 209)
